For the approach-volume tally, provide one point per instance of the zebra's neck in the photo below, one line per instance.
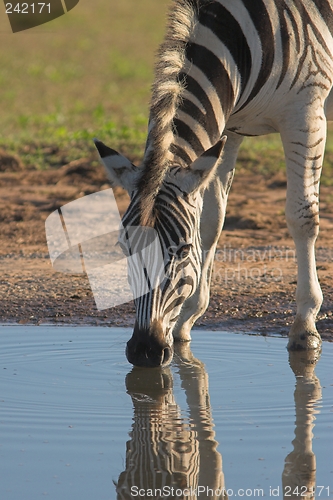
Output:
(194, 90)
(194, 93)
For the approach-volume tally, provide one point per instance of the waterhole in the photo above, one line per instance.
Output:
(233, 416)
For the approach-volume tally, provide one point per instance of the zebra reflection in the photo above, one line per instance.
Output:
(170, 449)
(171, 454)
(299, 474)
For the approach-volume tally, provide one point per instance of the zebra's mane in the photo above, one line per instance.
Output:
(167, 92)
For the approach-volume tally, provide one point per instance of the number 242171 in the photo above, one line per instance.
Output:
(31, 8)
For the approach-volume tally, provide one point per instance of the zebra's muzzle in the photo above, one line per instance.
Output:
(148, 347)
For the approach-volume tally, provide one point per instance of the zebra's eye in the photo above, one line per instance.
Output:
(183, 251)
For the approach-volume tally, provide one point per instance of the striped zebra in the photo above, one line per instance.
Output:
(226, 69)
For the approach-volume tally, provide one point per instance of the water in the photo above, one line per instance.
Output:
(77, 422)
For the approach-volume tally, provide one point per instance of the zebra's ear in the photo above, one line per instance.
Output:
(120, 170)
(203, 169)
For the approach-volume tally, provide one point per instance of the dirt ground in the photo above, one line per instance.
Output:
(254, 276)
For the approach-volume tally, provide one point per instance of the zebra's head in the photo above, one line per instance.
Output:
(173, 272)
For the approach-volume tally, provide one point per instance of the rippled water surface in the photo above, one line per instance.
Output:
(77, 422)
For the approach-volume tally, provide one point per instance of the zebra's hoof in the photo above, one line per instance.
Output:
(305, 342)
(303, 337)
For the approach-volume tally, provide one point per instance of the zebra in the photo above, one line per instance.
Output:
(225, 70)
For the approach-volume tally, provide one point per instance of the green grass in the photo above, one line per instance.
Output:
(83, 75)
(89, 74)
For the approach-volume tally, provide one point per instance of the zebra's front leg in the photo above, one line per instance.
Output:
(212, 220)
(304, 150)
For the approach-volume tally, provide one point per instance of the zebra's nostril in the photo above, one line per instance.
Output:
(167, 355)
(158, 358)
